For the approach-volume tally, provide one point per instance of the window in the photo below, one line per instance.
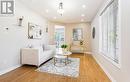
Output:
(109, 44)
(59, 35)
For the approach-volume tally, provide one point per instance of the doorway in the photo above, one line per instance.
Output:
(59, 35)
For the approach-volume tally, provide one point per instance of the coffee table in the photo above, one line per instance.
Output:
(67, 54)
(63, 56)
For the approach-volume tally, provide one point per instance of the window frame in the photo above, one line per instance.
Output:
(101, 52)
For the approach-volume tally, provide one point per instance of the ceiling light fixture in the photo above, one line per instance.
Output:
(82, 20)
(82, 15)
(55, 17)
(84, 6)
(60, 10)
(47, 10)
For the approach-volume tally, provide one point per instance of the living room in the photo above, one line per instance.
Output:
(34, 34)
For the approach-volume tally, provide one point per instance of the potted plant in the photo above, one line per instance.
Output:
(64, 46)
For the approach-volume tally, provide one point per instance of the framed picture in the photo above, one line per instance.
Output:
(34, 31)
(77, 34)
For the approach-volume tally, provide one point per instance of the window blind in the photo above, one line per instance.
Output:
(110, 31)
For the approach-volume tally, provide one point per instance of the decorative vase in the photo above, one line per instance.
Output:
(64, 50)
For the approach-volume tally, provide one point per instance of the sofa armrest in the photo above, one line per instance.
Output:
(29, 56)
(51, 47)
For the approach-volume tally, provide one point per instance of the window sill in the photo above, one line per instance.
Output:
(118, 65)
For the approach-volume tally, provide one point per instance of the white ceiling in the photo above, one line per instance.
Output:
(73, 9)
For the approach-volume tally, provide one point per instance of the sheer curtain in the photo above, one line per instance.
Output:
(109, 45)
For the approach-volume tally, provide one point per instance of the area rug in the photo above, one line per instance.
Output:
(71, 69)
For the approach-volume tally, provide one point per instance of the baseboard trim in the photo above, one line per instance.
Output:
(107, 73)
(88, 53)
(9, 69)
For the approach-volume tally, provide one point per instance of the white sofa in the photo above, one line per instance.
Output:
(37, 55)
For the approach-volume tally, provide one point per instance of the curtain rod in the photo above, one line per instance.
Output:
(106, 7)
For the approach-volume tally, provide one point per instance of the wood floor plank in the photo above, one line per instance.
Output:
(90, 71)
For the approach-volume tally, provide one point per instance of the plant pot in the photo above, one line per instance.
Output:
(64, 50)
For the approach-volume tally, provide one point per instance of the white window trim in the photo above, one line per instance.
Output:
(110, 60)
(118, 65)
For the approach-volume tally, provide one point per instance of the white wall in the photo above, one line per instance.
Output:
(118, 74)
(12, 40)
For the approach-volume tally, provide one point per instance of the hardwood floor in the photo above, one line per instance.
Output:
(90, 71)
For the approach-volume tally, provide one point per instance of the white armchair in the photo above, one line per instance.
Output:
(75, 47)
